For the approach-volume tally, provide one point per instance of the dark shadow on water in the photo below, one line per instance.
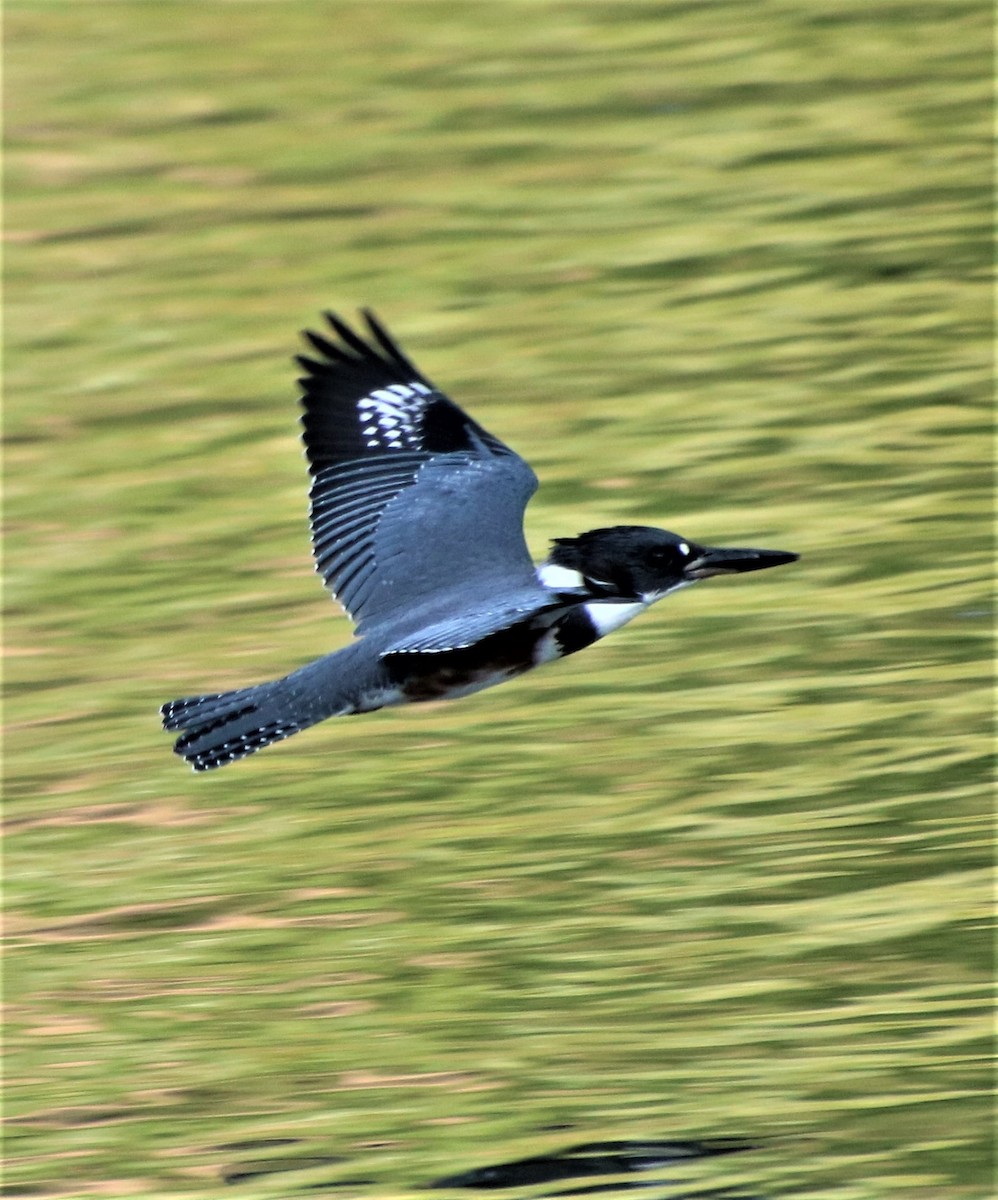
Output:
(595, 1159)
(590, 1160)
(702, 1194)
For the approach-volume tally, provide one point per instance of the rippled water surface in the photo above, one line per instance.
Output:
(721, 880)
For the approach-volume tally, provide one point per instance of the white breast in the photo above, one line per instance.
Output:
(608, 615)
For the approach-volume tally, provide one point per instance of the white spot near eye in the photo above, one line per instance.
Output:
(683, 547)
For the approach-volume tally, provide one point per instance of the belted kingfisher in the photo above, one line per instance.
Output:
(417, 528)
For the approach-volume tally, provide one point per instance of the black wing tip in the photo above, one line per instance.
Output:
(387, 343)
(351, 340)
(348, 348)
(351, 349)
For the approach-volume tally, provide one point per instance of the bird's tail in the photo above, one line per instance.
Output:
(221, 727)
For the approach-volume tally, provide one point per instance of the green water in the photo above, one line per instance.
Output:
(721, 267)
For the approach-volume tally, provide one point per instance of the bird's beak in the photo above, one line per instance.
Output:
(711, 562)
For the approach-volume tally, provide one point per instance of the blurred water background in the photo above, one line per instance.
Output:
(720, 267)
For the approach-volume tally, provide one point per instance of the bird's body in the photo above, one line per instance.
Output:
(417, 528)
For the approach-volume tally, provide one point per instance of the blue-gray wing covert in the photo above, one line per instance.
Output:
(411, 500)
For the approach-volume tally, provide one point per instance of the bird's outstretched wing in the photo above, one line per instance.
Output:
(410, 499)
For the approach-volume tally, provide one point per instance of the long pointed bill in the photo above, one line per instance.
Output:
(711, 562)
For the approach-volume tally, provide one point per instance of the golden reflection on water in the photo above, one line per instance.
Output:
(725, 874)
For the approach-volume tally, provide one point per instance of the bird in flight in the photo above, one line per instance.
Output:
(417, 529)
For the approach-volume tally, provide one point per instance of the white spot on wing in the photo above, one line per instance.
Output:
(389, 417)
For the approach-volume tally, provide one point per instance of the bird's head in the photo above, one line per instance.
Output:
(641, 563)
